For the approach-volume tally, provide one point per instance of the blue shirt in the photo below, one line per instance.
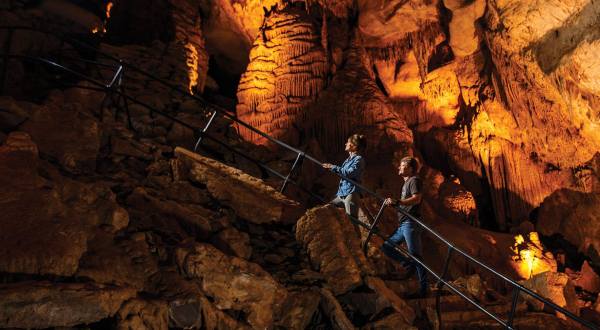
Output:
(351, 168)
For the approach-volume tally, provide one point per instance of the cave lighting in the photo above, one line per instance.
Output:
(529, 258)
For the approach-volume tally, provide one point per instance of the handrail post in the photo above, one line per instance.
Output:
(299, 159)
(373, 227)
(513, 307)
(214, 114)
(126, 105)
(440, 284)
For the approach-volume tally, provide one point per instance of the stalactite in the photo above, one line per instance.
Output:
(423, 44)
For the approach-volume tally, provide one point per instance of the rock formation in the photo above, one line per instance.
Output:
(106, 224)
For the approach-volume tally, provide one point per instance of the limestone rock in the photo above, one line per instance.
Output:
(298, 309)
(54, 126)
(333, 247)
(287, 71)
(573, 215)
(188, 34)
(248, 196)
(449, 198)
(143, 314)
(196, 217)
(532, 46)
(556, 287)
(334, 311)
(177, 23)
(20, 179)
(392, 321)
(588, 279)
(233, 283)
(464, 39)
(487, 246)
(236, 241)
(45, 304)
(215, 319)
(124, 262)
(355, 104)
(398, 304)
(188, 306)
(389, 29)
(231, 28)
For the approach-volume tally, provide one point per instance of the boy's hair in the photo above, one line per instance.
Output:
(359, 140)
(411, 161)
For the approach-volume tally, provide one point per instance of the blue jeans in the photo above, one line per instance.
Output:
(410, 233)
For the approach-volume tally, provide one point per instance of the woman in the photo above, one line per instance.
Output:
(348, 194)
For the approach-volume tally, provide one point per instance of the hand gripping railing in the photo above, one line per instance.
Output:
(287, 179)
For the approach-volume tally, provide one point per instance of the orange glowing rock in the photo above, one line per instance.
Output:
(529, 257)
(192, 63)
(108, 9)
(464, 38)
(287, 70)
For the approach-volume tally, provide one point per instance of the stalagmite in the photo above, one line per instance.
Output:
(287, 70)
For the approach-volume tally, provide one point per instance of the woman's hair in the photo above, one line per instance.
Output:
(411, 161)
(359, 140)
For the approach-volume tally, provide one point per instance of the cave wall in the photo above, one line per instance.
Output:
(509, 99)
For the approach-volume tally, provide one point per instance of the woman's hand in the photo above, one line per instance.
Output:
(389, 201)
(327, 166)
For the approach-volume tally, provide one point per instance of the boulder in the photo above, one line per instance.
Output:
(250, 197)
(236, 241)
(398, 304)
(556, 287)
(588, 280)
(298, 309)
(55, 126)
(123, 262)
(333, 310)
(576, 217)
(142, 314)
(46, 304)
(50, 237)
(333, 247)
(233, 283)
(192, 216)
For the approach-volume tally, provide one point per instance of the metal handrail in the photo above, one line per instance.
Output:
(372, 228)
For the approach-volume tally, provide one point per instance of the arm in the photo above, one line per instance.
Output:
(351, 170)
(413, 200)
(414, 187)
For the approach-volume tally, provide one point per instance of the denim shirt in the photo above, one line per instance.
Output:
(351, 168)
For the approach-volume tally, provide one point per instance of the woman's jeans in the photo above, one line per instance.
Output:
(408, 232)
(350, 203)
